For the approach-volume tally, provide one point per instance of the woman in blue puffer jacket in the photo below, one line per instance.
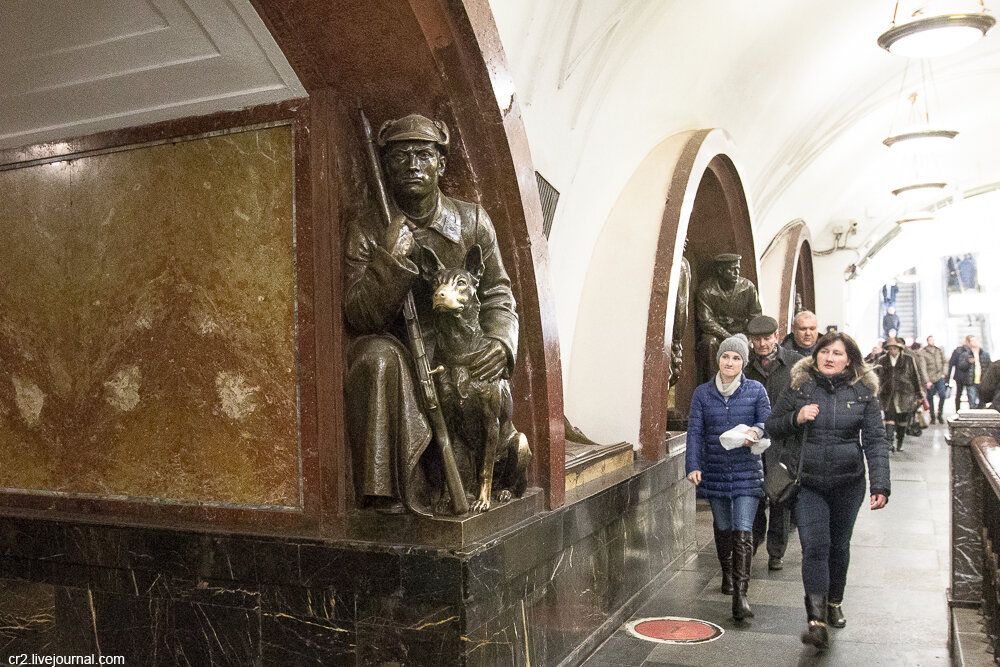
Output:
(732, 480)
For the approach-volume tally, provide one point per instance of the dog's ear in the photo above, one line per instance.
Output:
(429, 262)
(474, 261)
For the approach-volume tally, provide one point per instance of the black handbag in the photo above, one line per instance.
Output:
(780, 485)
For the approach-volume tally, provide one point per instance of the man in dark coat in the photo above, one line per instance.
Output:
(771, 365)
(969, 362)
(386, 427)
(989, 388)
(890, 322)
(804, 334)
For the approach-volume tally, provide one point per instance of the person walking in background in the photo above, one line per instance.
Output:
(968, 360)
(731, 479)
(890, 322)
(889, 292)
(936, 377)
(914, 349)
(771, 365)
(900, 389)
(989, 388)
(805, 331)
(877, 351)
(831, 406)
(967, 272)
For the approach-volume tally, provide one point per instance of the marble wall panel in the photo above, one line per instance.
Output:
(148, 324)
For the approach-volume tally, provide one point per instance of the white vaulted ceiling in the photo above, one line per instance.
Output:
(802, 87)
(74, 67)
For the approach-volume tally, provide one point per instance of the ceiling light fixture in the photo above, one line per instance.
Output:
(922, 136)
(919, 194)
(915, 217)
(927, 36)
(917, 133)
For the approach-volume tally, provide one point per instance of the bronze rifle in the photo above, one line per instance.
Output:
(429, 397)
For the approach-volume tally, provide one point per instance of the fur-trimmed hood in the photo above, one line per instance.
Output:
(804, 368)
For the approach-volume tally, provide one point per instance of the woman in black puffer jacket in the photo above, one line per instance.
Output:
(832, 407)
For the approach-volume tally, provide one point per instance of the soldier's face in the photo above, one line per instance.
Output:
(729, 273)
(413, 167)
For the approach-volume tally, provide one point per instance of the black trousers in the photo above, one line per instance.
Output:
(773, 523)
(826, 523)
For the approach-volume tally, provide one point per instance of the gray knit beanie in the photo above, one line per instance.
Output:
(737, 344)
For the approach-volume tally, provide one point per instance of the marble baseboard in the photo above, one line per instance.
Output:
(532, 595)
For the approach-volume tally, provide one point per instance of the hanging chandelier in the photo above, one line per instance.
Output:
(928, 34)
(915, 217)
(913, 128)
(914, 141)
(936, 136)
(919, 194)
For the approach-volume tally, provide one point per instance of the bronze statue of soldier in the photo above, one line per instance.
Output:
(388, 430)
(725, 304)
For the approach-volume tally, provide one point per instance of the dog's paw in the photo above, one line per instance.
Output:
(503, 496)
(480, 505)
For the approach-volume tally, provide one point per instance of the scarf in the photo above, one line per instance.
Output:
(726, 390)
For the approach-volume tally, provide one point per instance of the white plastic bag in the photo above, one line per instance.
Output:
(735, 437)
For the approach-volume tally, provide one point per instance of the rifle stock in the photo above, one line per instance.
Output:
(415, 342)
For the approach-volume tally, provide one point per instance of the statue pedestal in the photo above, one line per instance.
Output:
(544, 588)
(443, 531)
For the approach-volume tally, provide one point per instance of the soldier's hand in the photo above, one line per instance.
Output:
(490, 362)
(398, 237)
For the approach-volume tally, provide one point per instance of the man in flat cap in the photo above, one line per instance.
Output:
(725, 304)
(771, 365)
(394, 469)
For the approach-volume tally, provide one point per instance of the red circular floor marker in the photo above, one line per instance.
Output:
(674, 630)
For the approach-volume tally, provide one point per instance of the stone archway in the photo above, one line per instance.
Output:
(787, 274)
(687, 187)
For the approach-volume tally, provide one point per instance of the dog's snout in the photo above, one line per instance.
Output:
(446, 297)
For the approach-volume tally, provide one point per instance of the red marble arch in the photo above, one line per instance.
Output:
(707, 206)
(795, 243)
(803, 281)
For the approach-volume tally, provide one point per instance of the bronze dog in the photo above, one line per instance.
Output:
(478, 412)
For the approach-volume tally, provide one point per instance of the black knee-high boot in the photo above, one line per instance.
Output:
(742, 558)
(724, 549)
(816, 634)
(834, 613)
(900, 434)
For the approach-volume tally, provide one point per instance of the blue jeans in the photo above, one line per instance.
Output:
(826, 522)
(734, 513)
(971, 390)
(939, 389)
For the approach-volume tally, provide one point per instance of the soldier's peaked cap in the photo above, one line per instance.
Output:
(762, 325)
(414, 128)
(727, 258)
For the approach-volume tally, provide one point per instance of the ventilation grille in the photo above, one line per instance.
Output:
(550, 197)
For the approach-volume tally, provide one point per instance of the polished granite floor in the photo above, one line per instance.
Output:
(895, 602)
